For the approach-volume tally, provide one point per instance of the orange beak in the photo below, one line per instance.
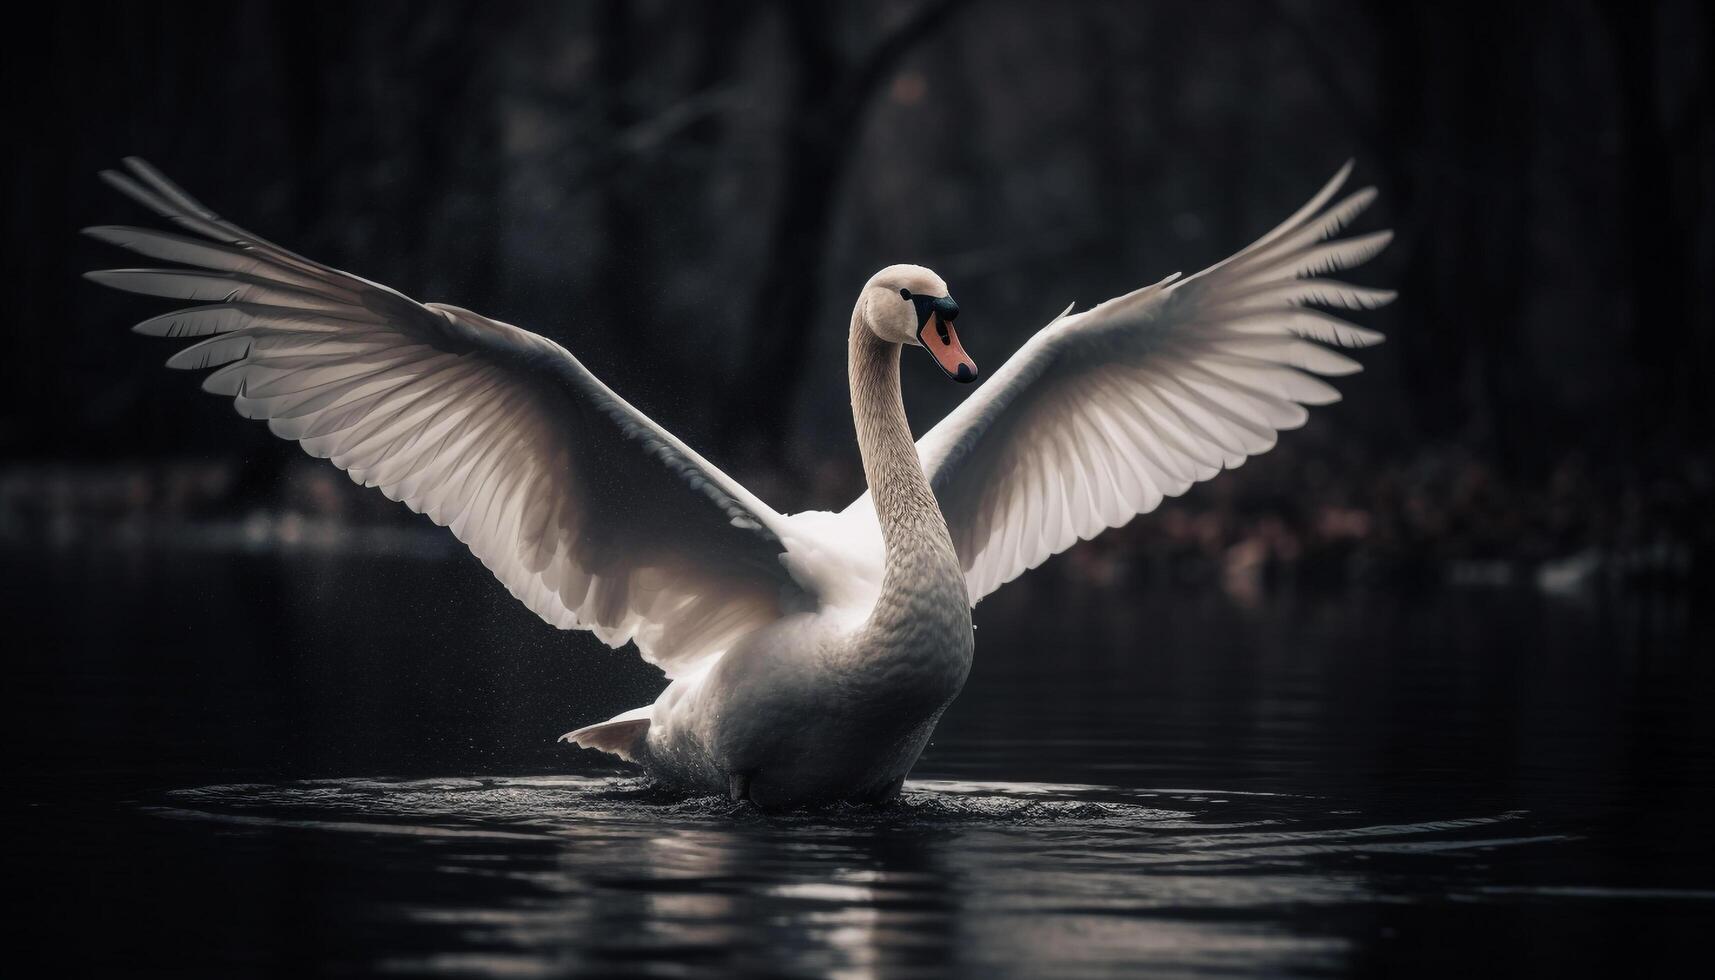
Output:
(942, 342)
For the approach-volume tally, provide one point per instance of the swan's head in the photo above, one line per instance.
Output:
(908, 304)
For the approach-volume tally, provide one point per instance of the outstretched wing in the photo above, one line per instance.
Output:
(593, 515)
(1103, 413)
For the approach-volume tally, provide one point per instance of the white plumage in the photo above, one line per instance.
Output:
(812, 653)
(1104, 413)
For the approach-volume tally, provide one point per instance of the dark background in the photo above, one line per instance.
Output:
(688, 197)
(1472, 589)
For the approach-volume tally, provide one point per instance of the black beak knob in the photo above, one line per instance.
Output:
(943, 305)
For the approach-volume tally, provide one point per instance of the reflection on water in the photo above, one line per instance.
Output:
(1429, 785)
(582, 873)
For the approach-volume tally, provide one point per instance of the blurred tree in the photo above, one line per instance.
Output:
(668, 189)
(830, 94)
(1665, 159)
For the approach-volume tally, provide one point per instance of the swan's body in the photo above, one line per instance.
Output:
(810, 655)
(836, 705)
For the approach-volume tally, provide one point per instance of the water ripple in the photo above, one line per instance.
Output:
(547, 875)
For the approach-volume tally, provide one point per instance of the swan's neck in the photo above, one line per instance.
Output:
(923, 587)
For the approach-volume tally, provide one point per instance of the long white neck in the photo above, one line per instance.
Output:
(923, 582)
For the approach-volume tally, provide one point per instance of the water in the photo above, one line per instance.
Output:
(289, 766)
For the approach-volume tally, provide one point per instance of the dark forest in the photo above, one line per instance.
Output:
(669, 192)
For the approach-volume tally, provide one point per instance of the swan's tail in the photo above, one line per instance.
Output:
(621, 735)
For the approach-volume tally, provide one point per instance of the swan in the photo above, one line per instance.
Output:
(809, 655)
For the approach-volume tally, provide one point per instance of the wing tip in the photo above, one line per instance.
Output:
(1329, 189)
(121, 182)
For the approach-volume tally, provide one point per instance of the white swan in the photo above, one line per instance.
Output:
(810, 655)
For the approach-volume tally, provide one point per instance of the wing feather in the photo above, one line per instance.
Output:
(591, 514)
(1103, 414)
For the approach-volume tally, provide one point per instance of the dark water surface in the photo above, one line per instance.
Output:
(289, 766)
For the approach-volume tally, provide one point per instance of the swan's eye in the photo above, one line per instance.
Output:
(905, 294)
